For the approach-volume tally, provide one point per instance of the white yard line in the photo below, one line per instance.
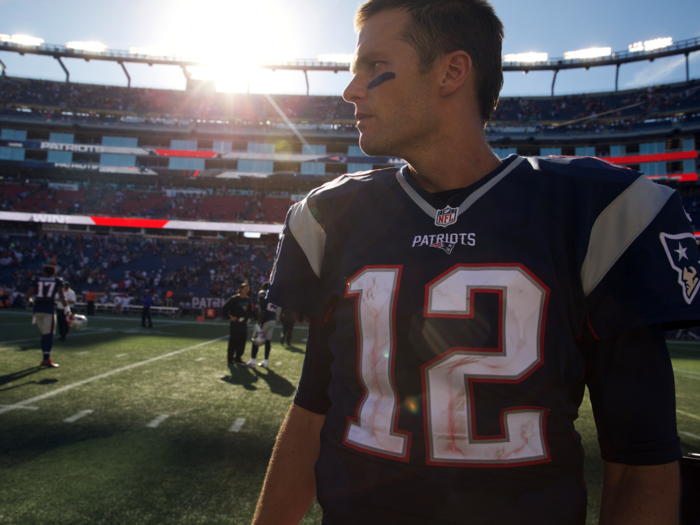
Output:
(689, 435)
(199, 359)
(121, 355)
(23, 408)
(238, 425)
(157, 421)
(688, 414)
(29, 401)
(278, 363)
(76, 417)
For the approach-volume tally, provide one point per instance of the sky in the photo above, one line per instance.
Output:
(232, 34)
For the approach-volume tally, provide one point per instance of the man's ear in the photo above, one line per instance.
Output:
(456, 68)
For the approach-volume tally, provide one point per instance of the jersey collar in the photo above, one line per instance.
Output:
(427, 202)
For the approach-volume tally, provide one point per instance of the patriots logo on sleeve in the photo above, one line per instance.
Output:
(682, 253)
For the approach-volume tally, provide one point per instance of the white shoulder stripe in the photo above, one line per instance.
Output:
(618, 226)
(308, 234)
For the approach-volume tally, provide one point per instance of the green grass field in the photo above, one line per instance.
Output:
(76, 446)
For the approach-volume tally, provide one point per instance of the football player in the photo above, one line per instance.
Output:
(238, 310)
(460, 305)
(267, 319)
(47, 288)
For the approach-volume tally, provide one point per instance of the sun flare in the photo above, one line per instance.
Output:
(230, 37)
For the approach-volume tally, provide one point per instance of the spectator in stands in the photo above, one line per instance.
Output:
(146, 302)
(90, 300)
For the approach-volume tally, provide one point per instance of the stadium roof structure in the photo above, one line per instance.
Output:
(682, 47)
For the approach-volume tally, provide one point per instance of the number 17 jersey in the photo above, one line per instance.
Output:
(452, 374)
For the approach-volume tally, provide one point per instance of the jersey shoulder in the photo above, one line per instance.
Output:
(345, 194)
(577, 171)
(581, 188)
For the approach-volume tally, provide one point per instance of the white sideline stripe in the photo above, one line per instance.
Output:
(218, 322)
(29, 401)
(89, 331)
(689, 372)
(76, 417)
(121, 355)
(238, 425)
(199, 359)
(157, 421)
(689, 435)
(23, 408)
(688, 414)
(134, 319)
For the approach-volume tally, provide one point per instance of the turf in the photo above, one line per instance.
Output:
(110, 467)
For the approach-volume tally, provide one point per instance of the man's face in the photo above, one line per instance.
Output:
(244, 291)
(395, 115)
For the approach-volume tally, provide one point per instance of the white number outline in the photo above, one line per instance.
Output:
(458, 353)
(355, 432)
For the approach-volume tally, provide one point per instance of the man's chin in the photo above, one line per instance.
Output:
(373, 148)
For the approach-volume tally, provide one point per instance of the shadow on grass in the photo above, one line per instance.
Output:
(278, 385)
(14, 376)
(242, 376)
(294, 349)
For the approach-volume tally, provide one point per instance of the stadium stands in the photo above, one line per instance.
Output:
(90, 175)
(57, 100)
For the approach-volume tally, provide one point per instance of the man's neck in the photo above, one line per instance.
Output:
(455, 159)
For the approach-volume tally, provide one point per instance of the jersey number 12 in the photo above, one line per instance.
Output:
(448, 396)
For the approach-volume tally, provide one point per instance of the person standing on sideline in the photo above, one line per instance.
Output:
(47, 287)
(61, 317)
(238, 309)
(147, 302)
(288, 318)
(267, 314)
(90, 300)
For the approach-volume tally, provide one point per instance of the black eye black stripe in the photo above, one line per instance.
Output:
(381, 79)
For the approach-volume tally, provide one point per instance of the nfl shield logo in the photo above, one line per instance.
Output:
(446, 216)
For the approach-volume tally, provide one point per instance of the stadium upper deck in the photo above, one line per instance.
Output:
(141, 141)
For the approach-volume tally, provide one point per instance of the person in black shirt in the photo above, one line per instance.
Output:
(288, 319)
(238, 309)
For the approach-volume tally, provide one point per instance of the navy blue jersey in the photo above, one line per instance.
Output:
(269, 310)
(47, 289)
(451, 366)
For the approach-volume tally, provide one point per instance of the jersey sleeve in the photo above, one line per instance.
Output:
(630, 380)
(642, 264)
(312, 392)
(295, 282)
